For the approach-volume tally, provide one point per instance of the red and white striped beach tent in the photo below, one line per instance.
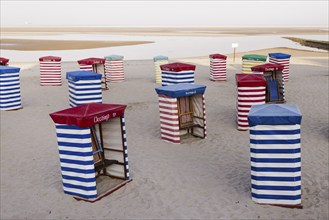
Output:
(114, 68)
(251, 89)
(274, 81)
(96, 65)
(3, 61)
(182, 112)
(50, 71)
(282, 59)
(93, 150)
(217, 67)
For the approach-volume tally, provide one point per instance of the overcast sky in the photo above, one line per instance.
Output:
(164, 13)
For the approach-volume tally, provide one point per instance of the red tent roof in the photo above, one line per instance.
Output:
(4, 60)
(177, 67)
(218, 56)
(92, 60)
(250, 80)
(267, 67)
(89, 114)
(50, 58)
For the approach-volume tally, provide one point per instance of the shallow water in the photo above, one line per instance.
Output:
(171, 46)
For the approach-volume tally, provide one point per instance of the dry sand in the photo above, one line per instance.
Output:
(205, 179)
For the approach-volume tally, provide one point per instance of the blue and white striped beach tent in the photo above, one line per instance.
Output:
(10, 91)
(176, 73)
(84, 87)
(275, 150)
(93, 150)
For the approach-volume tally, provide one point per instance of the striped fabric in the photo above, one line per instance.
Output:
(275, 164)
(172, 77)
(10, 92)
(283, 62)
(76, 159)
(158, 61)
(247, 64)
(114, 69)
(169, 119)
(217, 69)
(125, 148)
(86, 67)
(50, 73)
(248, 96)
(84, 91)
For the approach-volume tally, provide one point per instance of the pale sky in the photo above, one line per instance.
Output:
(164, 13)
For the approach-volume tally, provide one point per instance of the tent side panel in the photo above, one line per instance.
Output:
(50, 73)
(114, 70)
(157, 70)
(172, 78)
(169, 119)
(275, 164)
(285, 63)
(84, 91)
(76, 159)
(199, 115)
(86, 67)
(217, 69)
(247, 64)
(248, 96)
(10, 91)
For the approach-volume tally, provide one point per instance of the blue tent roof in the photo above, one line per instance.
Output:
(8, 69)
(279, 55)
(82, 75)
(181, 90)
(274, 114)
(160, 57)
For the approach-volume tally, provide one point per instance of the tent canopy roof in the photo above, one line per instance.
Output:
(279, 55)
(177, 67)
(218, 56)
(256, 57)
(180, 90)
(87, 115)
(4, 60)
(267, 67)
(82, 75)
(160, 57)
(50, 58)
(250, 80)
(91, 61)
(8, 69)
(274, 114)
(114, 57)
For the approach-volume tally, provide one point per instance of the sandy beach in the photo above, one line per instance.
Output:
(204, 179)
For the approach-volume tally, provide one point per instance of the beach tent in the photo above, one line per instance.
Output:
(158, 61)
(182, 112)
(251, 89)
(275, 149)
(94, 65)
(3, 61)
(93, 150)
(10, 90)
(175, 73)
(84, 87)
(50, 71)
(250, 60)
(217, 67)
(282, 59)
(274, 81)
(114, 68)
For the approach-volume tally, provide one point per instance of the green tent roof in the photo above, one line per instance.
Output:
(254, 57)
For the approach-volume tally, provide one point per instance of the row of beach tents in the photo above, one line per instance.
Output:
(89, 130)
